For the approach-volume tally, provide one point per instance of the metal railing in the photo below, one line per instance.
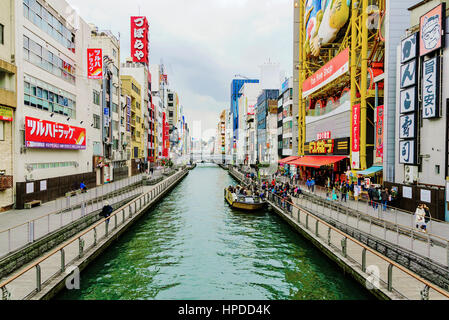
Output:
(32, 278)
(378, 268)
(436, 245)
(68, 210)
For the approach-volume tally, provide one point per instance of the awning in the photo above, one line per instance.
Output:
(370, 171)
(316, 161)
(288, 159)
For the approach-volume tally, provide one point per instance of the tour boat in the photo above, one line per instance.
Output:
(250, 203)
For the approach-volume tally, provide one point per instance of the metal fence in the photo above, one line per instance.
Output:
(380, 271)
(68, 210)
(31, 279)
(393, 225)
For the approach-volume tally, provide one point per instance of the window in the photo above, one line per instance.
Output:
(42, 18)
(114, 107)
(96, 121)
(2, 34)
(170, 114)
(114, 53)
(41, 57)
(2, 131)
(96, 97)
(42, 95)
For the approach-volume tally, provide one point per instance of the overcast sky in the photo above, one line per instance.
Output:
(203, 43)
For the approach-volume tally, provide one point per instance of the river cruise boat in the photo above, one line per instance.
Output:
(249, 203)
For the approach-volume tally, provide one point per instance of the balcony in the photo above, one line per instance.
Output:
(6, 182)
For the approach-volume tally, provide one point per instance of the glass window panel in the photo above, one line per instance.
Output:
(26, 54)
(39, 103)
(45, 94)
(39, 92)
(45, 105)
(26, 99)
(26, 12)
(26, 42)
(51, 106)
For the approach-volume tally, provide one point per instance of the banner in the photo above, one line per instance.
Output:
(51, 135)
(332, 70)
(380, 133)
(139, 39)
(128, 114)
(356, 136)
(94, 64)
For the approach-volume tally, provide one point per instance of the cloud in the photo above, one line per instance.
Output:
(203, 43)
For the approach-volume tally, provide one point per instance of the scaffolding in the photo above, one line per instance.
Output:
(363, 38)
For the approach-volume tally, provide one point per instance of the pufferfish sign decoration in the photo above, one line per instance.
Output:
(323, 19)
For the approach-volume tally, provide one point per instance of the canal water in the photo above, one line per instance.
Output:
(192, 245)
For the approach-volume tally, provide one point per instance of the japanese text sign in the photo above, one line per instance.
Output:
(380, 133)
(409, 48)
(94, 64)
(51, 135)
(139, 39)
(431, 88)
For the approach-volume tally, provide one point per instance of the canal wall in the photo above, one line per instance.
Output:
(57, 284)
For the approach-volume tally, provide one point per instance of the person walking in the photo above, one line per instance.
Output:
(334, 194)
(420, 218)
(385, 197)
(356, 192)
(106, 211)
(344, 191)
(312, 185)
(376, 197)
(427, 216)
(83, 187)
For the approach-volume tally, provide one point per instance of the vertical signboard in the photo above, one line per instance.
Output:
(94, 64)
(431, 88)
(431, 28)
(356, 136)
(380, 133)
(128, 114)
(139, 39)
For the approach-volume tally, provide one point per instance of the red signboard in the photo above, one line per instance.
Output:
(251, 110)
(332, 70)
(139, 39)
(165, 136)
(380, 132)
(431, 30)
(51, 135)
(94, 64)
(356, 136)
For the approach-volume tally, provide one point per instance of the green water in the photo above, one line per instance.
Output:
(193, 246)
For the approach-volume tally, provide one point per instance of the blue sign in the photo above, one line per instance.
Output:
(106, 111)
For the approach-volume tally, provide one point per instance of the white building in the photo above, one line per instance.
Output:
(51, 54)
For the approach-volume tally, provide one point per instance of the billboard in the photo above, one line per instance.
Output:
(332, 70)
(51, 135)
(94, 64)
(6, 114)
(140, 39)
(431, 27)
(323, 19)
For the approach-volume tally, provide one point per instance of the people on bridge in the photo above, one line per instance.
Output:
(344, 191)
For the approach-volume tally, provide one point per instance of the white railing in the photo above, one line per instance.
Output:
(68, 210)
(32, 278)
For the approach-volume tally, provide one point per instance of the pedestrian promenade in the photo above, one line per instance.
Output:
(434, 245)
(83, 247)
(21, 227)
